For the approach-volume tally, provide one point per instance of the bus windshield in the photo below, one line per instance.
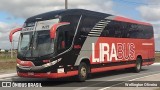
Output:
(35, 39)
(35, 45)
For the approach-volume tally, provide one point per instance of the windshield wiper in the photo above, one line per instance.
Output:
(30, 45)
(31, 42)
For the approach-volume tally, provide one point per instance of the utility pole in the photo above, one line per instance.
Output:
(66, 4)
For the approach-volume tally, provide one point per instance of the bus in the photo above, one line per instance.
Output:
(78, 42)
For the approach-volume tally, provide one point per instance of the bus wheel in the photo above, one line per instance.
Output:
(137, 69)
(82, 71)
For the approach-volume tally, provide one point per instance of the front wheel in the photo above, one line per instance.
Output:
(82, 72)
(138, 66)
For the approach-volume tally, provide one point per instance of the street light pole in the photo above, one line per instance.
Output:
(66, 4)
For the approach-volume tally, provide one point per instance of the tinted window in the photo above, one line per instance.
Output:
(73, 19)
(87, 24)
(66, 33)
(140, 31)
(113, 29)
(127, 30)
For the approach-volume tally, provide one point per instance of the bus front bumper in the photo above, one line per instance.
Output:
(46, 75)
(47, 70)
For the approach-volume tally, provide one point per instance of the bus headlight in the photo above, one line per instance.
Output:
(18, 65)
(47, 64)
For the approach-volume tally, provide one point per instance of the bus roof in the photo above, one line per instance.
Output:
(123, 19)
(52, 14)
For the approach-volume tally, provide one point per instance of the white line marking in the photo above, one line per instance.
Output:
(114, 80)
(126, 81)
(99, 26)
(156, 64)
(102, 23)
(5, 79)
(8, 75)
(143, 77)
(147, 44)
(94, 34)
(10, 78)
(95, 30)
(111, 86)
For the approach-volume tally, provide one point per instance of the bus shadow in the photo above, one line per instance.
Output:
(71, 81)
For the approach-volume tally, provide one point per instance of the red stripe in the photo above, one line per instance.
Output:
(25, 63)
(118, 18)
(71, 73)
(54, 28)
(48, 75)
(94, 70)
(147, 63)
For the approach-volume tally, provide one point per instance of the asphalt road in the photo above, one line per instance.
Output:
(99, 81)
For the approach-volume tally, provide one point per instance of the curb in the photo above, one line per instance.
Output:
(7, 75)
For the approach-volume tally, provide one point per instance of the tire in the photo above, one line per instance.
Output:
(138, 67)
(82, 72)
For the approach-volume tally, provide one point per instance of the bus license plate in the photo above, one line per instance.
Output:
(30, 73)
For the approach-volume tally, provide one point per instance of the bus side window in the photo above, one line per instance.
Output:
(63, 40)
(67, 32)
(60, 41)
(140, 32)
(68, 39)
(107, 31)
(118, 29)
(132, 31)
(113, 29)
(148, 32)
(88, 23)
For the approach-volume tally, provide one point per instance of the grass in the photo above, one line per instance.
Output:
(7, 63)
(158, 88)
(157, 57)
(7, 59)
(7, 66)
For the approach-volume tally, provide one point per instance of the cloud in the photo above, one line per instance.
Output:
(96, 5)
(156, 28)
(27, 8)
(150, 13)
(3, 26)
(4, 34)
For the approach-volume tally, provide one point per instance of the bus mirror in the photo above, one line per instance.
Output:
(12, 32)
(55, 27)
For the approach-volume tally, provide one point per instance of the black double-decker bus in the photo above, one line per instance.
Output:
(73, 42)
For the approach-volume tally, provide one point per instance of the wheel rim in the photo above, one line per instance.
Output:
(83, 72)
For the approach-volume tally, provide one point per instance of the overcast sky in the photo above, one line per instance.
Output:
(13, 13)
